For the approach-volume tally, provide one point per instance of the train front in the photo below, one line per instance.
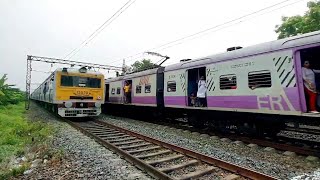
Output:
(79, 92)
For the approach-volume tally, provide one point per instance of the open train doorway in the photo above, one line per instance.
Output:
(127, 91)
(194, 75)
(310, 63)
(107, 95)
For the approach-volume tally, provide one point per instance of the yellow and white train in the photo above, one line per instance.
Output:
(72, 92)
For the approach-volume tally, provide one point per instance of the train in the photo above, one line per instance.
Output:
(72, 92)
(256, 89)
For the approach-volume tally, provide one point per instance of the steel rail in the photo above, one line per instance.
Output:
(278, 146)
(251, 174)
(140, 164)
(261, 142)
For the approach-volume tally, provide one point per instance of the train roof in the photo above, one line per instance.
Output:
(76, 70)
(295, 41)
(72, 70)
(133, 75)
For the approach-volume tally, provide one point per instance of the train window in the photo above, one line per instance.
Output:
(93, 83)
(147, 88)
(66, 81)
(113, 91)
(118, 90)
(259, 79)
(138, 89)
(76, 81)
(228, 82)
(171, 86)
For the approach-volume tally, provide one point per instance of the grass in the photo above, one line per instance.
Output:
(16, 134)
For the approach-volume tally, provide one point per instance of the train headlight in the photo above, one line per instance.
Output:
(97, 104)
(99, 97)
(68, 104)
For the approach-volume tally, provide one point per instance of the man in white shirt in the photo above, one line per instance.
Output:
(310, 85)
(201, 94)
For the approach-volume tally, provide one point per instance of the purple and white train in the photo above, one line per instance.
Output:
(255, 88)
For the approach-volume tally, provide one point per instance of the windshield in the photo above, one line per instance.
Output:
(76, 81)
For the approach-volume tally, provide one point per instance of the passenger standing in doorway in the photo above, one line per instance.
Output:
(127, 92)
(201, 94)
(310, 85)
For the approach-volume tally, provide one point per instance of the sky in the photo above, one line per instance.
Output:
(53, 28)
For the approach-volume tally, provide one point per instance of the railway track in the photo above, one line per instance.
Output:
(298, 146)
(286, 145)
(160, 159)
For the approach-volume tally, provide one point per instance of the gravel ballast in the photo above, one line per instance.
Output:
(83, 158)
(298, 135)
(271, 163)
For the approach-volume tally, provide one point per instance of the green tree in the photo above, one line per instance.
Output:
(143, 65)
(296, 25)
(8, 93)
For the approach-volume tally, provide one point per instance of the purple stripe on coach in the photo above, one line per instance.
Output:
(243, 102)
(265, 102)
(144, 100)
(293, 96)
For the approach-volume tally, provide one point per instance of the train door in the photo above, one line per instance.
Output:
(185, 79)
(107, 93)
(309, 58)
(193, 76)
(127, 95)
(160, 87)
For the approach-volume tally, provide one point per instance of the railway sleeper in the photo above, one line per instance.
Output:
(179, 166)
(144, 149)
(165, 159)
(93, 128)
(154, 154)
(115, 137)
(127, 143)
(135, 146)
(197, 174)
(100, 129)
(102, 134)
(122, 140)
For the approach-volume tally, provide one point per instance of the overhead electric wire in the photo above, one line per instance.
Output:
(100, 29)
(238, 22)
(211, 28)
(112, 20)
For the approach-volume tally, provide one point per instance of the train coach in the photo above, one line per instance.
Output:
(254, 89)
(72, 92)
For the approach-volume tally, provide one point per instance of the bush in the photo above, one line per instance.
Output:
(8, 93)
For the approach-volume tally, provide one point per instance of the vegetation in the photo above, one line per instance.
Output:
(18, 135)
(8, 93)
(296, 25)
(143, 65)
